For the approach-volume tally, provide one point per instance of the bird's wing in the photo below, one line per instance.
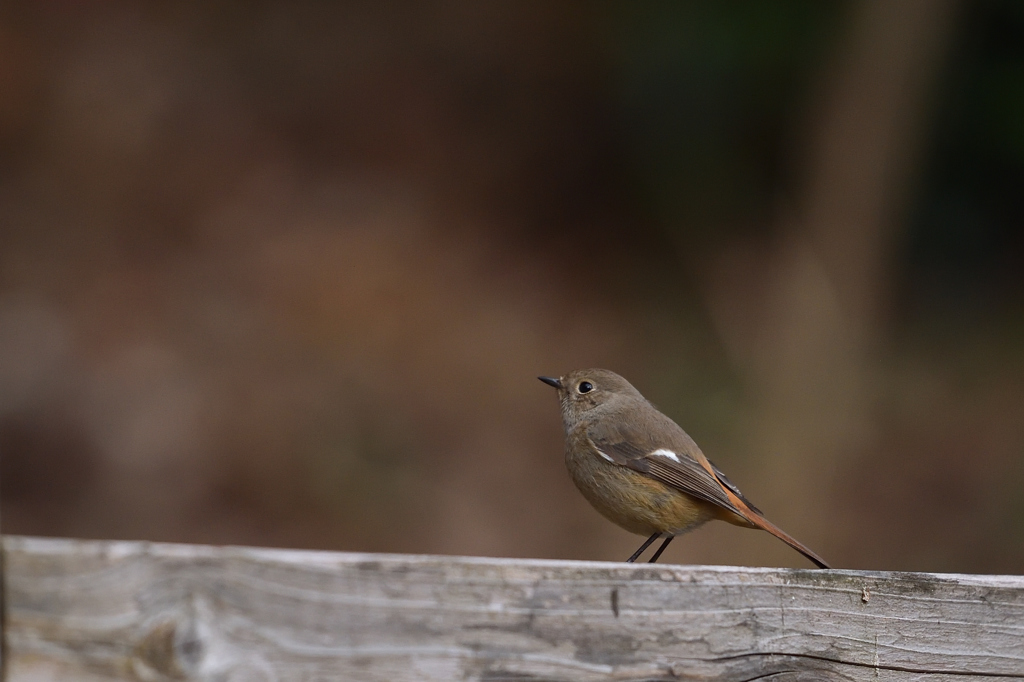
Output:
(732, 486)
(673, 465)
(679, 463)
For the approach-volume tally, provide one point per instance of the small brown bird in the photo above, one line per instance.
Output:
(640, 469)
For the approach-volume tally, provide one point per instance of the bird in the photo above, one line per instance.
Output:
(640, 470)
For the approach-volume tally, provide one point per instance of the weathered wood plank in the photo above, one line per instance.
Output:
(87, 610)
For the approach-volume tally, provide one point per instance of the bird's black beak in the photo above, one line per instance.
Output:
(551, 381)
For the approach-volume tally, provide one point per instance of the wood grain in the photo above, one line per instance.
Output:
(91, 610)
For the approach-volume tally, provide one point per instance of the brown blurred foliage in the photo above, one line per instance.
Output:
(284, 274)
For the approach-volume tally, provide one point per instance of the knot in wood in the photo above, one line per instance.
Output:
(169, 650)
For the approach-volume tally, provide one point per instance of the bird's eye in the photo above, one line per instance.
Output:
(585, 387)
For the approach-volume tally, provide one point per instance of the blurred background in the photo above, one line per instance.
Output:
(284, 274)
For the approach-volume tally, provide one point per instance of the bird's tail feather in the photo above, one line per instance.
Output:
(754, 517)
(764, 524)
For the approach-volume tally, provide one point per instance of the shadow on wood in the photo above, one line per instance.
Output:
(93, 610)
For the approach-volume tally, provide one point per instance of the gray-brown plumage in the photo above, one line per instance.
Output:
(640, 469)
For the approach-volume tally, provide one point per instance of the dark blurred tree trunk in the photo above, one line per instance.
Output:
(808, 347)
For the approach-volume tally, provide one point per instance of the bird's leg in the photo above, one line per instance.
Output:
(644, 546)
(661, 549)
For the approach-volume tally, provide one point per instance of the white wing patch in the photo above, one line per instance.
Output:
(606, 457)
(662, 452)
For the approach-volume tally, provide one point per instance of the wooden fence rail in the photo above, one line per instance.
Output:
(88, 610)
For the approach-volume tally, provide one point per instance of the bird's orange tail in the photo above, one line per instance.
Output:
(755, 519)
(761, 522)
(764, 524)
